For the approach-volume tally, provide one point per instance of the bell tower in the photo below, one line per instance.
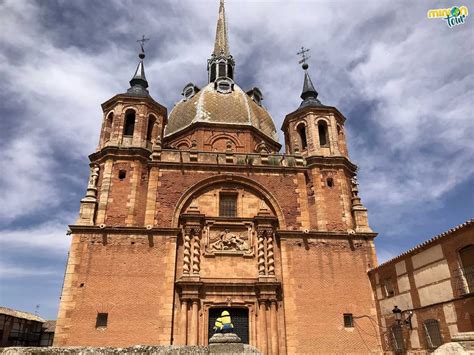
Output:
(314, 129)
(133, 124)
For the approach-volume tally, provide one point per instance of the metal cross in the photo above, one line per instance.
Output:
(302, 53)
(142, 42)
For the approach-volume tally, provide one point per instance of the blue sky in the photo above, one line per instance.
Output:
(404, 82)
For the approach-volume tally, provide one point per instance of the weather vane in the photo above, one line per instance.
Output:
(142, 42)
(304, 57)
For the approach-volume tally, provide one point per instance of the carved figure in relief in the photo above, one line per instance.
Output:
(94, 174)
(354, 186)
(229, 241)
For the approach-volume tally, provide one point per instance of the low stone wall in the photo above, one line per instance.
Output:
(135, 350)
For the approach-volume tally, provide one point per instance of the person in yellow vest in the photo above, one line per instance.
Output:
(223, 324)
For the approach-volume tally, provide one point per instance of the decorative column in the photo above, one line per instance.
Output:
(270, 254)
(194, 323)
(274, 327)
(183, 323)
(262, 330)
(187, 251)
(89, 203)
(196, 250)
(358, 210)
(261, 252)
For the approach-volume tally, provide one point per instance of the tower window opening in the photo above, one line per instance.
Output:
(222, 69)
(348, 320)
(230, 71)
(323, 133)
(213, 73)
(149, 131)
(108, 126)
(129, 126)
(330, 182)
(302, 133)
(122, 174)
(228, 205)
(101, 321)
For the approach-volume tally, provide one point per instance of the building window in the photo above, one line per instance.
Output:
(330, 182)
(301, 129)
(122, 174)
(151, 124)
(323, 133)
(230, 72)
(129, 125)
(388, 288)
(213, 73)
(348, 320)
(397, 338)
(101, 321)
(466, 255)
(433, 335)
(228, 205)
(221, 69)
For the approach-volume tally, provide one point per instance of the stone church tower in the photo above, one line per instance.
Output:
(194, 212)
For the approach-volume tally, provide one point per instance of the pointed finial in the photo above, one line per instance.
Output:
(304, 57)
(139, 84)
(221, 45)
(309, 94)
(142, 44)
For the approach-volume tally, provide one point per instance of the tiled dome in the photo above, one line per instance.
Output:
(210, 105)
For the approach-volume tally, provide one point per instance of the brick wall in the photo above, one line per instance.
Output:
(322, 280)
(130, 277)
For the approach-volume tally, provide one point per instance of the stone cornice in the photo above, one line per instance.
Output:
(131, 153)
(288, 234)
(322, 161)
(80, 229)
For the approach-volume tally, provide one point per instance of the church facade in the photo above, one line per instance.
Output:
(194, 212)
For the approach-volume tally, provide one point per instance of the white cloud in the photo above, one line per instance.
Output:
(47, 239)
(10, 271)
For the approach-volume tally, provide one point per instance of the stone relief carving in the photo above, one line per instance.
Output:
(229, 241)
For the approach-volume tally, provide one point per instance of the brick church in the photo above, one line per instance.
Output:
(196, 211)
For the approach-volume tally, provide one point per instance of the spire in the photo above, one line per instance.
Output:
(221, 65)
(221, 45)
(309, 94)
(139, 84)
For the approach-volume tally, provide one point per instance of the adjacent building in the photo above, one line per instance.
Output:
(194, 212)
(433, 287)
(18, 328)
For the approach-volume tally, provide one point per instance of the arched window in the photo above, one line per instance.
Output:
(466, 255)
(301, 129)
(108, 126)
(432, 333)
(213, 73)
(221, 69)
(323, 133)
(129, 125)
(151, 124)
(397, 338)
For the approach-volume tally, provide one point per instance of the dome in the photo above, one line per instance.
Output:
(210, 105)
